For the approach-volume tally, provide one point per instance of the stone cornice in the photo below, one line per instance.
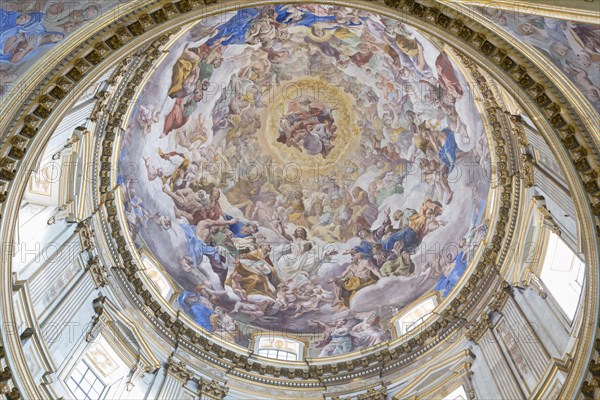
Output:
(212, 389)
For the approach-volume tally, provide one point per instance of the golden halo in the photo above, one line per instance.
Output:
(347, 130)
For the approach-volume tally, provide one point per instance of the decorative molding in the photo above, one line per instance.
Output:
(527, 169)
(501, 297)
(5, 377)
(14, 394)
(98, 271)
(93, 330)
(178, 370)
(571, 10)
(591, 388)
(544, 215)
(101, 97)
(451, 318)
(467, 380)
(211, 390)
(374, 394)
(86, 235)
(518, 124)
(476, 331)
(535, 283)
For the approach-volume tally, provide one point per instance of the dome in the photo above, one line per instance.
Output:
(302, 168)
(354, 200)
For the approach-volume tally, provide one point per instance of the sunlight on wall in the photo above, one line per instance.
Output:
(458, 394)
(279, 348)
(156, 277)
(562, 273)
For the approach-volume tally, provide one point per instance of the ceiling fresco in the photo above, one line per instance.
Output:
(574, 47)
(31, 28)
(310, 169)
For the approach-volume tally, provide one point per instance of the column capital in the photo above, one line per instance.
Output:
(211, 390)
(476, 330)
(501, 297)
(374, 394)
(98, 271)
(178, 370)
(526, 170)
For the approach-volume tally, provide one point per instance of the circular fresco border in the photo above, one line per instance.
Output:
(141, 141)
(417, 343)
(136, 78)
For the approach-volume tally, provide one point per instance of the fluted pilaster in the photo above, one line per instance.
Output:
(494, 357)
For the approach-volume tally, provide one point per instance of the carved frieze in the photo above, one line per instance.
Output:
(211, 390)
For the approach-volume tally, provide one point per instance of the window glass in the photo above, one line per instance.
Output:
(278, 355)
(415, 316)
(562, 274)
(279, 348)
(84, 383)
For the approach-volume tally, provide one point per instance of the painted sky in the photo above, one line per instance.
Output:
(30, 29)
(306, 168)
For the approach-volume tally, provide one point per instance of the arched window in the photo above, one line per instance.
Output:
(279, 348)
(562, 274)
(415, 315)
(157, 278)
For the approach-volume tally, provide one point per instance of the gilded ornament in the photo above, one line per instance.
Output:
(14, 394)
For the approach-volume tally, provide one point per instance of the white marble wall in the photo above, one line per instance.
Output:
(552, 329)
(171, 386)
(498, 364)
